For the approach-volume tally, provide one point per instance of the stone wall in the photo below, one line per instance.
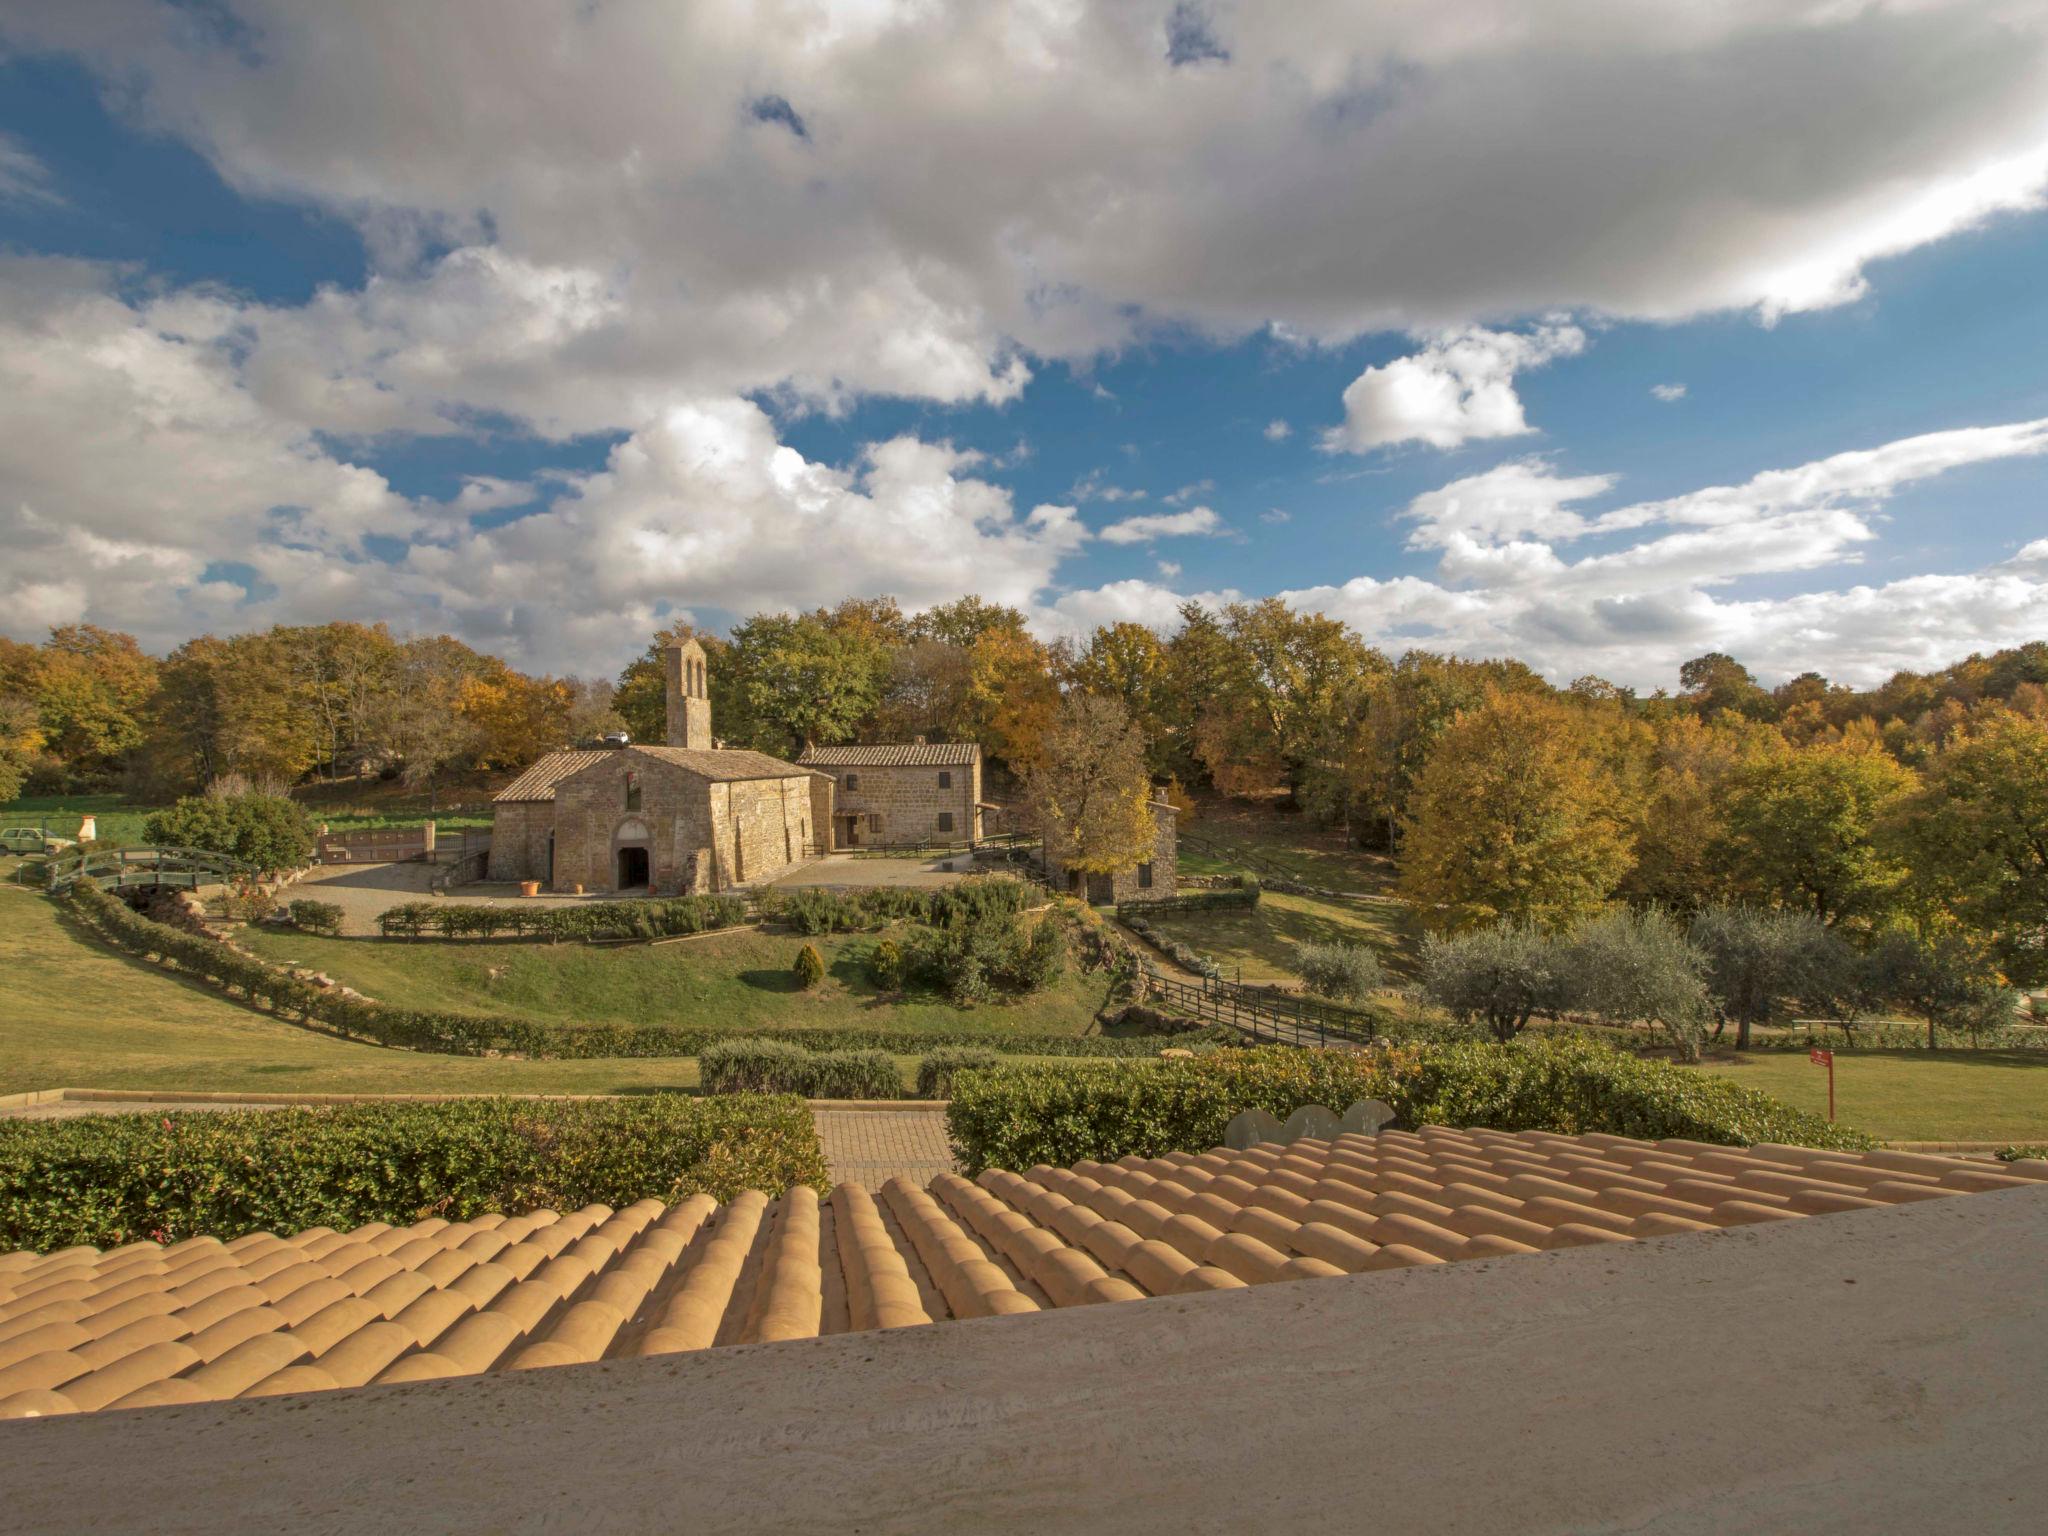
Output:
(765, 825)
(519, 839)
(592, 823)
(909, 802)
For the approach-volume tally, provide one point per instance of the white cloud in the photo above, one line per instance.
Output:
(1276, 515)
(1668, 392)
(1092, 487)
(1459, 387)
(23, 177)
(2034, 554)
(1169, 570)
(1188, 493)
(1162, 525)
(1277, 431)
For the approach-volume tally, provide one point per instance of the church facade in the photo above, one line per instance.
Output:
(684, 817)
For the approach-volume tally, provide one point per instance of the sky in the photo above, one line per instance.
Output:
(1593, 333)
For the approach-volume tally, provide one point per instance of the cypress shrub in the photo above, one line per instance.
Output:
(114, 1179)
(809, 967)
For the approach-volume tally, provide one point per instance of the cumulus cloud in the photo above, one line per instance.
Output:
(1277, 431)
(1459, 387)
(1668, 392)
(1162, 525)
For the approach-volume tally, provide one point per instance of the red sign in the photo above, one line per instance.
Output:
(1821, 1058)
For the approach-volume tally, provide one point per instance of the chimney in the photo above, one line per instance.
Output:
(689, 696)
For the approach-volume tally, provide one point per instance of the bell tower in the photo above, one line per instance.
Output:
(689, 696)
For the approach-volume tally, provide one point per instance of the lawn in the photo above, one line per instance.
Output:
(1314, 855)
(1259, 942)
(1911, 1095)
(349, 806)
(743, 979)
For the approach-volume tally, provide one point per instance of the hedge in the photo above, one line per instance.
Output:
(763, 1065)
(316, 916)
(114, 1179)
(594, 920)
(454, 1033)
(936, 1071)
(815, 910)
(1016, 1115)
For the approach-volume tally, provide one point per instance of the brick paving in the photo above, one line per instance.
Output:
(872, 1146)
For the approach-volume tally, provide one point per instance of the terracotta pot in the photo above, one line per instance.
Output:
(529, 887)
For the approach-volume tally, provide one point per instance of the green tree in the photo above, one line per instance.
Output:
(803, 681)
(1500, 976)
(1515, 818)
(1759, 959)
(268, 831)
(1802, 824)
(1976, 836)
(1634, 965)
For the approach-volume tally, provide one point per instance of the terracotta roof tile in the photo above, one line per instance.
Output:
(261, 1316)
(922, 754)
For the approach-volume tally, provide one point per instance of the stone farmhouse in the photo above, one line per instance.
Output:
(683, 817)
(926, 792)
(1153, 879)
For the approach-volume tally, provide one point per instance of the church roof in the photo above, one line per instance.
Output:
(539, 781)
(718, 764)
(921, 754)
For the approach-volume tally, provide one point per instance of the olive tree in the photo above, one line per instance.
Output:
(1759, 960)
(1344, 971)
(1501, 976)
(1635, 965)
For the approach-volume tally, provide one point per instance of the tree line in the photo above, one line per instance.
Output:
(1922, 802)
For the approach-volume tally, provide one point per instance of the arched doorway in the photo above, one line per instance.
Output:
(632, 864)
(632, 873)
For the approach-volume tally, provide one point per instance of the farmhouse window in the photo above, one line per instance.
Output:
(945, 780)
(1144, 877)
(853, 781)
(945, 821)
(632, 791)
(874, 821)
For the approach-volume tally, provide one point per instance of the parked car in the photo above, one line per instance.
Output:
(32, 840)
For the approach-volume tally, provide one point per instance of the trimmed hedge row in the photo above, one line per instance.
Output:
(114, 1179)
(815, 909)
(761, 1065)
(316, 916)
(453, 1033)
(1015, 1116)
(652, 919)
(936, 1072)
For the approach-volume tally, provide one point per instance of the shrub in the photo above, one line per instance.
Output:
(114, 1179)
(245, 903)
(1499, 977)
(814, 910)
(757, 1065)
(473, 1034)
(936, 1069)
(316, 916)
(2022, 1151)
(594, 921)
(1347, 972)
(982, 956)
(1014, 1116)
(267, 831)
(809, 967)
(885, 965)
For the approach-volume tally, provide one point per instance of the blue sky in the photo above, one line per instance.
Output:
(314, 315)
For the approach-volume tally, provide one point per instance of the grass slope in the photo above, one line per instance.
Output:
(742, 979)
(1262, 940)
(1911, 1095)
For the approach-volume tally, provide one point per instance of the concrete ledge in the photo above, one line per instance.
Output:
(1875, 1371)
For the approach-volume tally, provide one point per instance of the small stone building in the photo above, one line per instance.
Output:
(683, 817)
(1154, 879)
(926, 792)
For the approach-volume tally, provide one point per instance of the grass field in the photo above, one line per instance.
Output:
(1260, 942)
(1314, 855)
(1912, 1095)
(741, 979)
(350, 806)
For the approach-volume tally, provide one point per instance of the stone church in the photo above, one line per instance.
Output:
(684, 817)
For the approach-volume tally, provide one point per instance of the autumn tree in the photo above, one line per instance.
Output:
(1976, 836)
(1515, 817)
(1014, 686)
(1128, 662)
(1802, 829)
(1087, 789)
(802, 680)
(92, 691)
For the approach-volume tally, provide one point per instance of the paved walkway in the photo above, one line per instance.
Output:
(872, 1146)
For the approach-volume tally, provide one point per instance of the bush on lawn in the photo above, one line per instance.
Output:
(1014, 1116)
(776, 1066)
(457, 1033)
(267, 831)
(1347, 972)
(114, 1179)
(885, 965)
(809, 967)
(814, 910)
(316, 916)
(987, 956)
(937, 1069)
